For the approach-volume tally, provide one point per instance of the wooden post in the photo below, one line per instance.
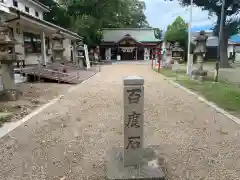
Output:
(136, 53)
(159, 63)
(58, 76)
(159, 60)
(43, 48)
(39, 66)
(152, 60)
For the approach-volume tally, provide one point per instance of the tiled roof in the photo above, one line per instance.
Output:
(235, 38)
(140, 34)
(41, 4)
(206, 28)
(21, 13)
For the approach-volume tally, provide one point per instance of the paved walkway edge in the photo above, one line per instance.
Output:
(209, 103)
(8, 127)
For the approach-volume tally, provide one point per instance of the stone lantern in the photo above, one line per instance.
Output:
(97, 54)
(80, 54)
(7, 58)
(177, 54)
(57, 48)
(200, 52)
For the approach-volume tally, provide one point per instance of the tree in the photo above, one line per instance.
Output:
(57, 15)
(230, 18)
(158, 33)
(177, 31)
(89, 17)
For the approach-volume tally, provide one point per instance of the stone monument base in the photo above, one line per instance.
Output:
(151, 167)
(199, 74)
(10, 95)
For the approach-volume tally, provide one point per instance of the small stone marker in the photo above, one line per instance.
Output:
(133, 161)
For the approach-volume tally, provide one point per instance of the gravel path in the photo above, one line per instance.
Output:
(69, 140)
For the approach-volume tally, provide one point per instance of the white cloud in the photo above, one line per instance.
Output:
(161, 13)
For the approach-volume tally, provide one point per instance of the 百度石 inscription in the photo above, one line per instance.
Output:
(134, 95)
(133, 142)
(133, 120)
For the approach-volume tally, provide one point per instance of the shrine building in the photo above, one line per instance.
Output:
(33, 34)
(128, 44)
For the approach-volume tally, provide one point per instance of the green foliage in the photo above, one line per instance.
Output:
(158, 33)
(89, 17)
(177, 31)
(231, 8)
(231, 24)
(225, 94)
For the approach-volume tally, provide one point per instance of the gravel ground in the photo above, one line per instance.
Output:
(34, 95)
(69, 140)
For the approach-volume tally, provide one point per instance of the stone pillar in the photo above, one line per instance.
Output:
(108, 54)
(134, 162)
(133, 119)
(7, 76)
(87, 56)
(146, 54)
(43, 48)
(190, 64)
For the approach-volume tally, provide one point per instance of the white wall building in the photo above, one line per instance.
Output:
(32, 32)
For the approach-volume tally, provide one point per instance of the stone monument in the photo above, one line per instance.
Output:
(57, 48)
(7, 57)
(200, 52)
(80, 54)
(177, 55)
(133, 161)
(168, 59)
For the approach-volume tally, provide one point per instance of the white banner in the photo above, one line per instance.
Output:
(87, 56)
(127, 49)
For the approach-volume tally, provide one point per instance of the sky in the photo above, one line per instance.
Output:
(161, 13)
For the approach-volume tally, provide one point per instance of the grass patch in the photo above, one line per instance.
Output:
(5, 117)
(225, 94)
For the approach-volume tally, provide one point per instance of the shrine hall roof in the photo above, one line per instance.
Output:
(140, 34)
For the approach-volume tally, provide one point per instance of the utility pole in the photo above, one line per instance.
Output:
(220, 38)
(190, 58)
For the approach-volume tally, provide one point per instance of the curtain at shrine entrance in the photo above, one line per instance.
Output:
(127, 53)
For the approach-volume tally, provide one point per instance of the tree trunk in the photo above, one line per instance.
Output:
(224, 49)
(223, 46)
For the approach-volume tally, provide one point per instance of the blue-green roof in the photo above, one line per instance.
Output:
(140, 34)
(235, 38)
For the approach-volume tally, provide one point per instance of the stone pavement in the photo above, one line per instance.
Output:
(69, 140)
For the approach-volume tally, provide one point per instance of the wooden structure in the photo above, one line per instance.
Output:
(58, 72)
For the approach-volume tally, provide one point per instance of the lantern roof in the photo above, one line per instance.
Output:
(6, 37)
(176, 47)
(4, 27)
(57, 36)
